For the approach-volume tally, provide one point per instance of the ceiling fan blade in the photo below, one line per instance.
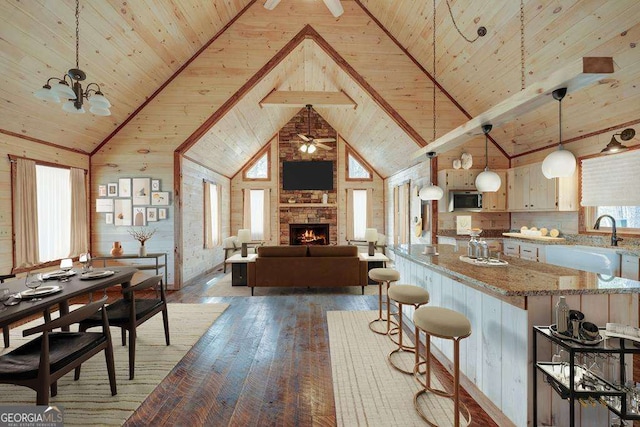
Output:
(304, 137)
(325, 140)
(326, 147)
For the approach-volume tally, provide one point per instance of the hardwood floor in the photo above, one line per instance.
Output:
(265, 361)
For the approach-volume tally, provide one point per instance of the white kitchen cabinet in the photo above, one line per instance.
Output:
(630, 268)
(511, 248)
(532, 252)
(530, 190)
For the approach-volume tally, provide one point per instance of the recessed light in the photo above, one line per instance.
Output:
(144, 151)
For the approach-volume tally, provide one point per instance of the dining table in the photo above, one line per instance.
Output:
(75, 285)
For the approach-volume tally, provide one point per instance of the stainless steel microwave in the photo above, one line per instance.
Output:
(470, 201)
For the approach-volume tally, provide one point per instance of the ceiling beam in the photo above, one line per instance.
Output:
(574, 76)
(302, 98)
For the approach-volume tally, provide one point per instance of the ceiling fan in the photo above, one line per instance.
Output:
(310, 142)
(334, 6)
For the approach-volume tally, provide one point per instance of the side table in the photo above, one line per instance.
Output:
(376, 260)
(239, 268)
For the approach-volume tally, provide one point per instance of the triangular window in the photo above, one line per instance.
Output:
(259, 169)
(356, 170)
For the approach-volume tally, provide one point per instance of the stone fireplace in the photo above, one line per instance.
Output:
(308, 234)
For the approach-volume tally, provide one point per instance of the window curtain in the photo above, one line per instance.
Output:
(267, 215)
(369, 207)
(257, 214)
(359, 212)
(395, 215)
(79, 216)
(25, 213)
(246, 210)
(602, 177)
(404, 213)
(54, 212)
(212, 198)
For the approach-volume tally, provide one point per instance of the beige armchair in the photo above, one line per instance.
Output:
(232, 247)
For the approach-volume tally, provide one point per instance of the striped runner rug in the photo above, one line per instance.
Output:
(88, 401)
(368, 390)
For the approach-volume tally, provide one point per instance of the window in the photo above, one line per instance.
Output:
(356, 170)
(211, 215)
(54, 212)
(257, 215)
(359, 214)
(604, 194)
(258, 170)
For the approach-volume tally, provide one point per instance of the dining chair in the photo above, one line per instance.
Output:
(129, 312)
(5, 328)
(39, 363)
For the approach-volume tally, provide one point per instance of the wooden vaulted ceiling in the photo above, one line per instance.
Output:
(382, 59)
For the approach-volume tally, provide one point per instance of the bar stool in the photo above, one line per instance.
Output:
(383, 275)
(447, 324)
(405, 295)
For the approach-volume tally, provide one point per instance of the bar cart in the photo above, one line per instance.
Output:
(577, 382)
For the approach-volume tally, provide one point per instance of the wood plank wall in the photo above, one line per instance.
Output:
(33, 150)
(196, 259)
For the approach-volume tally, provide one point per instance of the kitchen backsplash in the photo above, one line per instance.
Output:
(565, 222)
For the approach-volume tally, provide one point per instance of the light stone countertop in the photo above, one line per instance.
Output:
(520, 277)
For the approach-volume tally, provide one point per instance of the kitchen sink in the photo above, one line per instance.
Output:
(587, 258)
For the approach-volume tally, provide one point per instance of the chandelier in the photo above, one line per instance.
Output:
(70, 88)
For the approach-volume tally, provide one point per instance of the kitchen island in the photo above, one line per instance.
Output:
(503, 304)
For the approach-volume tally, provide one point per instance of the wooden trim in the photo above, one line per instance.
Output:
(302, 98)
(355, 104)
(252, 161)
(13, 158)
(177, 222)
(425, 72)
(349, 151)
(43, 142)
(244, 89)
(173, 76)
(191, 159)
(580, 137)
(362, 82)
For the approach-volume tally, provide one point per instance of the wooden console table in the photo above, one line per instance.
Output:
(160, 262)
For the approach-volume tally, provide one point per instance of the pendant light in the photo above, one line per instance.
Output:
(431, 192)
(488, 181)
(69, 87)
(560, 163)
(615, 146)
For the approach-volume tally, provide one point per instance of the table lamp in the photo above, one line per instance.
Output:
(371, 236)
(244, 237)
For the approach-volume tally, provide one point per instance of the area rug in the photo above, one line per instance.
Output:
(88, 401)
(221, 287)
(368, 390)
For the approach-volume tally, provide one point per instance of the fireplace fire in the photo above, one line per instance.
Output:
(308, 234)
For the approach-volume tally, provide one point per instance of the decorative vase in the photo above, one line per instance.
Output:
(116, 249)
(325, 198)
(142, 251)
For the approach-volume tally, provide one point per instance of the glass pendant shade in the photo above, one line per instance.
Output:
(431, 192)
(45, 93)
(69, 107)
(614, 146)
(99, 101)
(99, 110)
(304, 148)
(311, 149)
(561, 163)
(63, 90)
(488, 181)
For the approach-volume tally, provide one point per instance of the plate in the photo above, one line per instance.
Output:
(40, 292)
(96, 274)
(58, 274)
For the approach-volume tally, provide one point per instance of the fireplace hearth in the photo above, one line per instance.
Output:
(308, 234)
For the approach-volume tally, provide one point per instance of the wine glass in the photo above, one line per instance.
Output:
(85, 259)
(66, 264)
(4, 296)
(34, 281)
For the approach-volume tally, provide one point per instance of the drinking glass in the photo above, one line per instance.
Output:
(4, 296)
(34, 281)
(85, 259)
(66, 264)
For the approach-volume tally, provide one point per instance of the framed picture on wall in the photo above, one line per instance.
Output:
(141, 191)
(139, 216)
(160, 198)
(102, 191)
(108, 219)
(152, 214)
(112, 189)
(104, 205)
(124, 185)
(155, 185)
(122, 212)
(162, 213)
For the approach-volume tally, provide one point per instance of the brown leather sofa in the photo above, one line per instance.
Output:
(307, 266)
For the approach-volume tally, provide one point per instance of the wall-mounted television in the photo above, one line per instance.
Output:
(309, 175)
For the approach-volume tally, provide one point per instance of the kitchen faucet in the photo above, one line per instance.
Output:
(614, 239)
